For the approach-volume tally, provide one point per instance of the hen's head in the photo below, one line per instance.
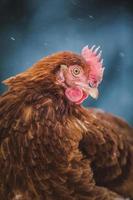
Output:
(78, 75)
(82, 78)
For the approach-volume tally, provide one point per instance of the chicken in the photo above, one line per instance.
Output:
(51, 147)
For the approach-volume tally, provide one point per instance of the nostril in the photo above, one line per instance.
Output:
(92, 85)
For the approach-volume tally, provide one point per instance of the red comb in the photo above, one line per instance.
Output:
(93, 58)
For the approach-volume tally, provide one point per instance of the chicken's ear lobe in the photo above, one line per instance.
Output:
(60, 73)
(63, 67)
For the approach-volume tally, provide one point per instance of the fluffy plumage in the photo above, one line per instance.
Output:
(54, 149)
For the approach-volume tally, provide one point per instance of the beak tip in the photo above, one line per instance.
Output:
(94, 93)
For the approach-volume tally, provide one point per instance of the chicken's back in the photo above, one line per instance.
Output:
(109, 144)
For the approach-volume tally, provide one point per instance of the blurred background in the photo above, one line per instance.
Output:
(31, 29)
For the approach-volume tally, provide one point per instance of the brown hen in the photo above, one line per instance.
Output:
(51, 148)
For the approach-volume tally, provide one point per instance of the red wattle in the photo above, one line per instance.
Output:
(75, 94)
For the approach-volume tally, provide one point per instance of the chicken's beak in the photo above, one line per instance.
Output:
(93, 92)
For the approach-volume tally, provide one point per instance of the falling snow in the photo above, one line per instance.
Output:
(121, 54)
(12, 38)
(91, 17)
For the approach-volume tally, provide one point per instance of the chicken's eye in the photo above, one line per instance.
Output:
(76, 71)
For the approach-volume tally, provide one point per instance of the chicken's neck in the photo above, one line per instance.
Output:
(39, 93)
(63, 107)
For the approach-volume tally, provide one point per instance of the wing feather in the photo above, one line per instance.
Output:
(110, 151)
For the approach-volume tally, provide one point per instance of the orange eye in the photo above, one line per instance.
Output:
(76, 71)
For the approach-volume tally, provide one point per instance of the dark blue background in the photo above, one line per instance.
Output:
(31, 29)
